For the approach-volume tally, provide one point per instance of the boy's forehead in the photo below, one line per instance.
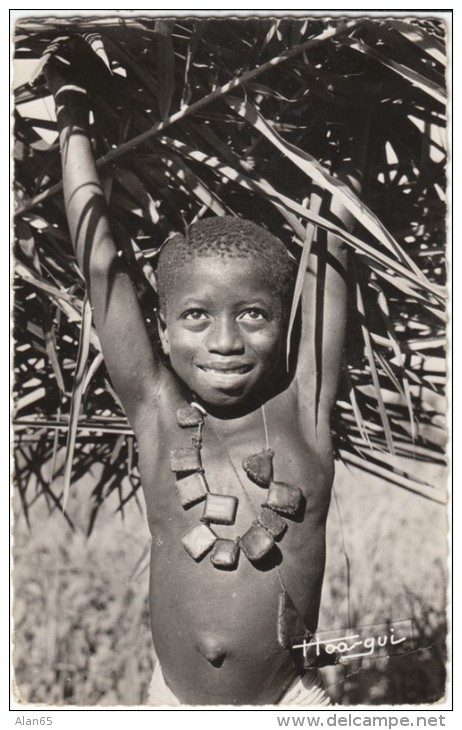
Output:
(234, 270)
(220, 278)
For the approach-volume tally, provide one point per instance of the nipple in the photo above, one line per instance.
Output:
(212, 649)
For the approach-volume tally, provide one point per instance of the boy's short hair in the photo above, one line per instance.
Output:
(230, 237)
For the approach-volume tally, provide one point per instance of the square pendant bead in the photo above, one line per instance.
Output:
(185, 459)
(256, 543)
(188, 416)
(284, 498)
(191, 489)
(225, 554)
(220, 508)
(198, 541)
(272, 522)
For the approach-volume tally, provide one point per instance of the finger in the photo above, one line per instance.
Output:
(95, 42)
(56, 50)
(57, 44)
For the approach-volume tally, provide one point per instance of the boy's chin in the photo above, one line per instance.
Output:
(218, 393)
(222, 399)
(226, 402)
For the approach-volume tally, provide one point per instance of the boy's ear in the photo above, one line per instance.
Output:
(163, 335)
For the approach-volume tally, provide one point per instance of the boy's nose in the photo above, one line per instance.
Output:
(224, 336)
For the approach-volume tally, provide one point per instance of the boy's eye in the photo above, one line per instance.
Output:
(195, 314)
(254, 315)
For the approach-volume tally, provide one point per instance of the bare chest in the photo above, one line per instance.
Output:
(222, 608)
(226, 450)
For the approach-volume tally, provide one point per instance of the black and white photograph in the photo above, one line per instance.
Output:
(230, 343)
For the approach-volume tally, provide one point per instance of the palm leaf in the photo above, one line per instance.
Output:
(435, 90)
(315, 171)
(426, 42)
(262, 186)
(315, 203)
(189, 110)
(79, 383)
(261, 156)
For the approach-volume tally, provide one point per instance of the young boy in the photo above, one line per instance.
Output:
(234, 452)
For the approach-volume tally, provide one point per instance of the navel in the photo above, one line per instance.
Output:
(212, 648)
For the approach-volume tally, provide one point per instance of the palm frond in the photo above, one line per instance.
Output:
(260, 114)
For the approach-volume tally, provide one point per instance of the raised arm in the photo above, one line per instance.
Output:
(324, 308)
(125, 343)
(324, 298)
(323, 329)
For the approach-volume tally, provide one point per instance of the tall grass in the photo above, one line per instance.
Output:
(387, 562)
(81, 617)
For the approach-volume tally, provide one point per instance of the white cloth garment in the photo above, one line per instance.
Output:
(307, 690)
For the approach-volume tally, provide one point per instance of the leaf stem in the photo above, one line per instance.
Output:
(195, 107)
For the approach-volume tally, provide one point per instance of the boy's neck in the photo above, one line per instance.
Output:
(232, 412)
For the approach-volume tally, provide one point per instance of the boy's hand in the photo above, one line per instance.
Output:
(70, 62)
(70, 68)
(72, 108)
(60, 65)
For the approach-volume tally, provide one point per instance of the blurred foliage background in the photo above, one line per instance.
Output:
(257, 118)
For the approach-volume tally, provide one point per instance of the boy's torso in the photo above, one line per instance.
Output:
(217, 632)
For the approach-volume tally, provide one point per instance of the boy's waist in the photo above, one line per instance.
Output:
(303, 690)
(229, 675)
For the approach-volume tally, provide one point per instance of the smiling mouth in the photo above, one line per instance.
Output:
(222, 369)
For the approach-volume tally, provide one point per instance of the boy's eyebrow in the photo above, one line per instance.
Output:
(256, 300)
(250, 301)
(192, 301)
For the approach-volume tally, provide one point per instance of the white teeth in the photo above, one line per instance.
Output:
(230, 371)
(224, 372)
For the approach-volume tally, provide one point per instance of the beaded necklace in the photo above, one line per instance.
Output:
(258, 540)
(219, 509)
